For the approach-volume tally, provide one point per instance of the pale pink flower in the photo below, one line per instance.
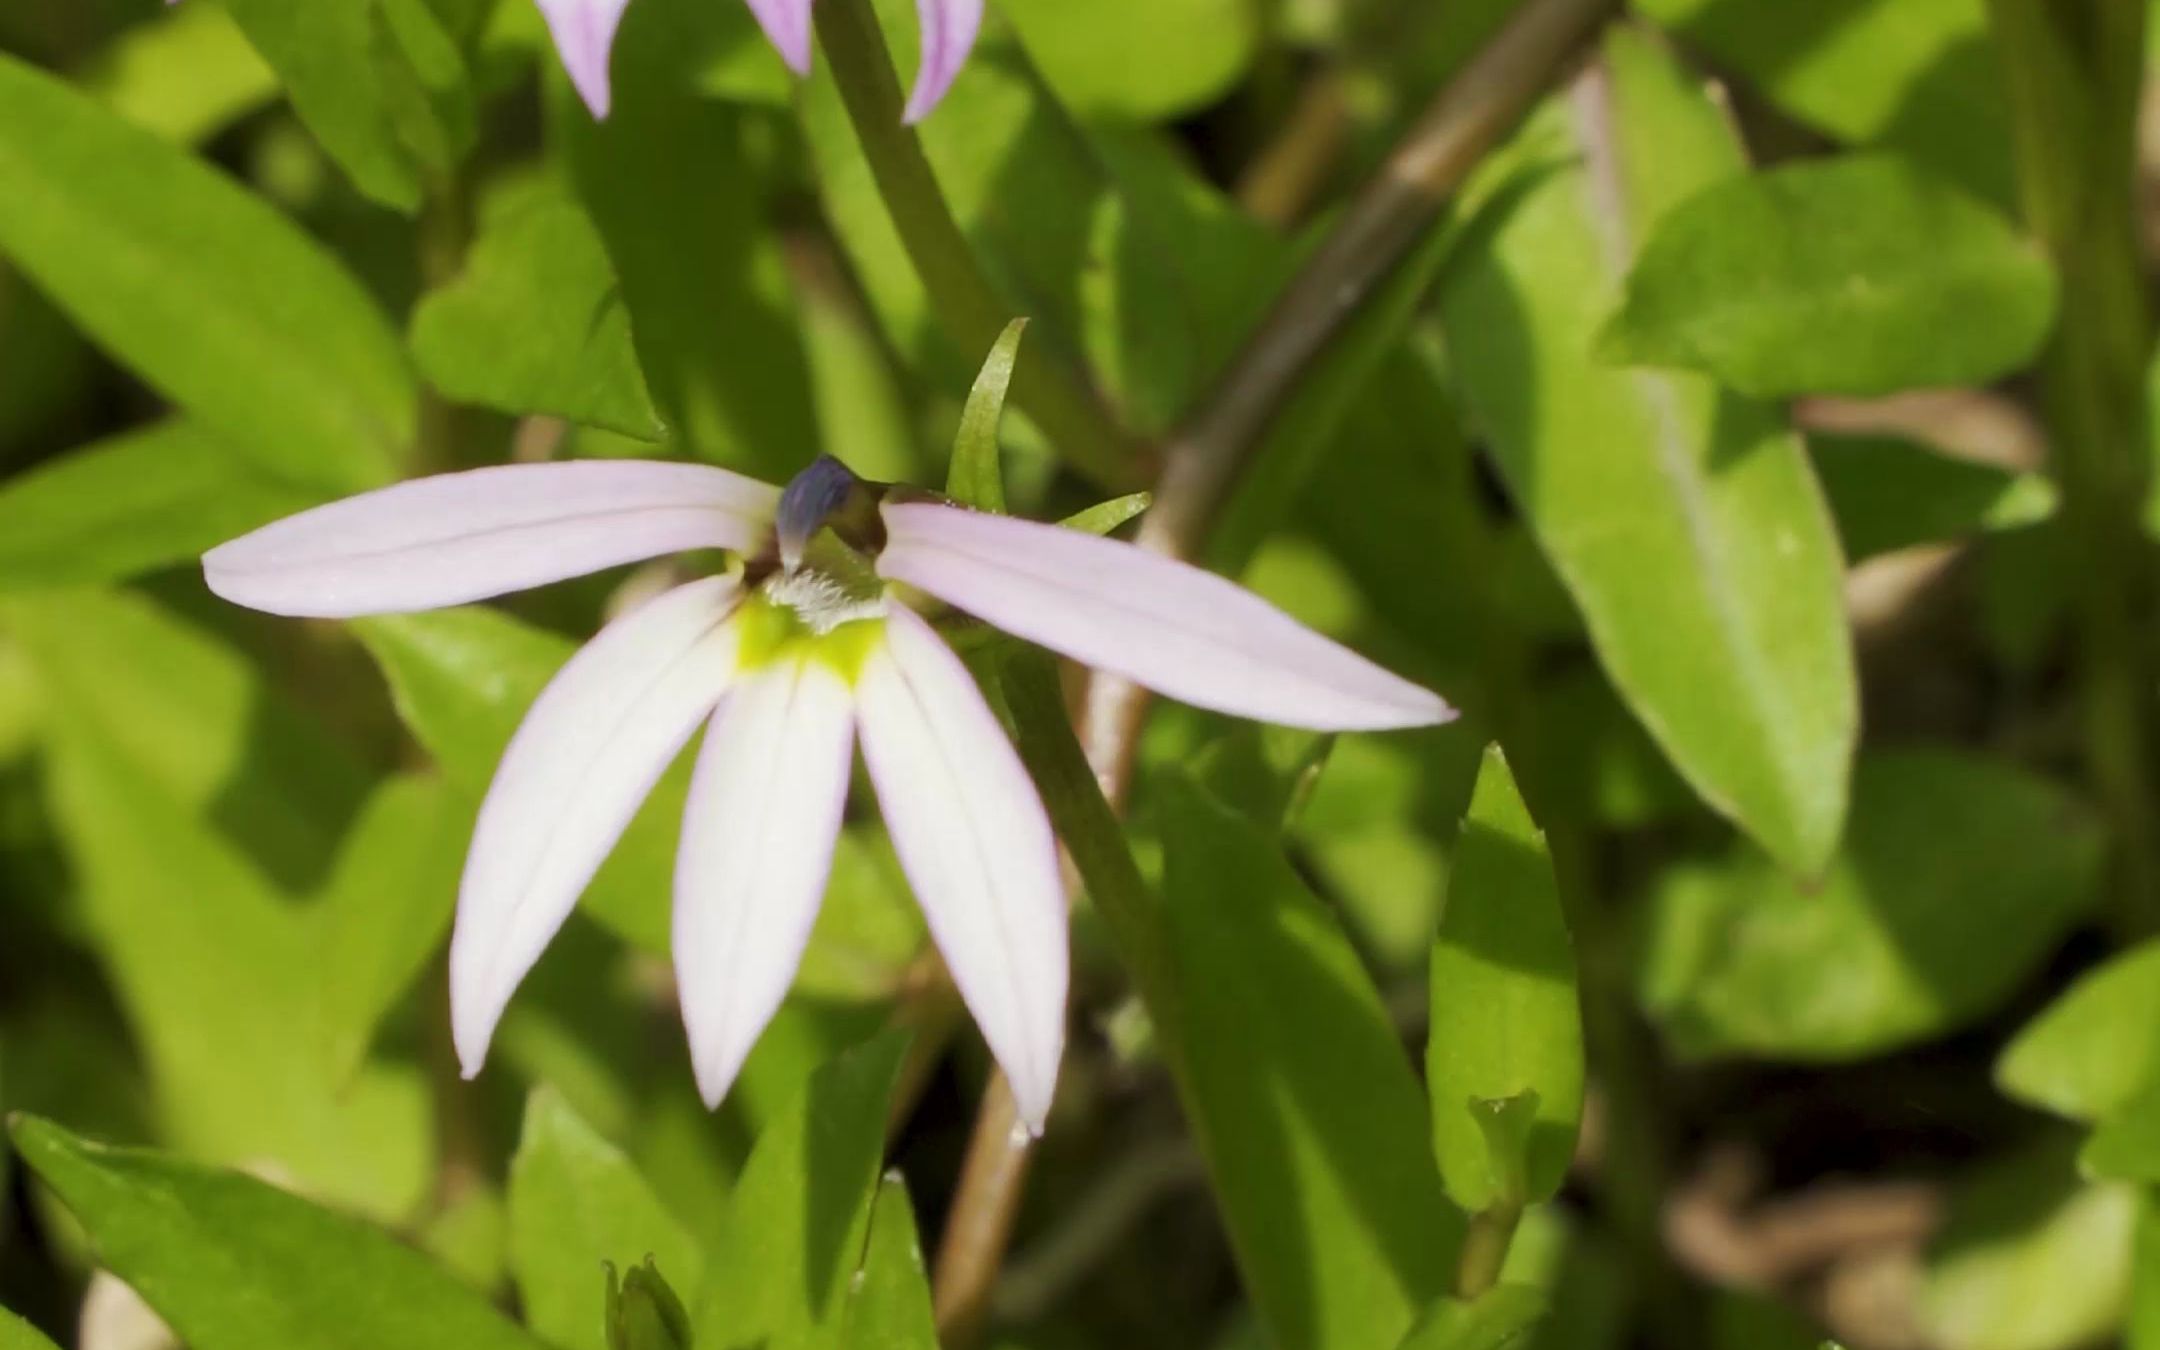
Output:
(584, 33)
(807, 647)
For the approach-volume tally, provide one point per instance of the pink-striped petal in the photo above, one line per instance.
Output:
(597, 739)
(976, 846)
(948, 35)
(584, 32)
(1172, 627)
(787, 26)
(757, 847)
(466, 536)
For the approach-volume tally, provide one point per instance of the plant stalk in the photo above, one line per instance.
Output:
(1055, 394)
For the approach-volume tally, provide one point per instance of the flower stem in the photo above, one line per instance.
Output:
(2075, 69)
(1485, 1249)
(1055, 394)
(1464, 121)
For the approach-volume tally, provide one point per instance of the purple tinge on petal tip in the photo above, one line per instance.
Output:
(949, 28)
(787, 27)
(584, 32)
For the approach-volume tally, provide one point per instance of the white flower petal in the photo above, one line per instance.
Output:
(949, 28)
(459, 537)
(597, 739)
(757, 846)
(1172, 627)
(584, 32)
(787, 25)
(976, 846)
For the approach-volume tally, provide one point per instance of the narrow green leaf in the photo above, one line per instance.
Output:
(1504, 1318)
(1299, 1092)
(1196, 50)
(1683, 521)
(1105, 517)
(1506, 1020)
(337, 61)
(1923, 940)
(196, 717)
(1889, 494)
(1857, 274)
(1919, 76)
(2143, 1331)
(2029, 1258)
(702, 274)
(800, 1213)
(2125, 1146)
(16, 1334)
(645, 1313)
(140, 501)
(576, 1205)
(216, 974)
(888, 1302)
(218, 301)
(2088, 1052)
(976, 476)
(236, 1264)
(185, 75)
(536, 324)
(383, 911)
(462, 680)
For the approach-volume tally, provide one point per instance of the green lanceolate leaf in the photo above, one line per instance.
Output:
(383, 910)
(140, 501)
(1299, 1092)
(185, 75)
(1889, 494)
(2089, 1051)
(373, 79)
(1196, 50)
(976, 476)
(1860, 274)
(16, 1334)
(800, 1213)
(462, 680)
(1106, 517)
(1503, 1318)
(222, 304)
(215, 972)
(888, 1302)
(537, 324)
(1923, 940)
(195, 717)
(2029, 1258)
(702, 275)
(644, 1312)
(576, 1204)
(1918, 76)
(236, 1264)
(1506, 1021)
(1684, 522)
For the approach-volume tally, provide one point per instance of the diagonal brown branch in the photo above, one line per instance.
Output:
(1464, 121)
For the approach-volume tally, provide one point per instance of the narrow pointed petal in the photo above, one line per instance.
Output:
(787, 24)
(597, 739)
(584, 32)
(757, 846)
(948, 35)
(459, 537)
(1172, 627)
(976, 846)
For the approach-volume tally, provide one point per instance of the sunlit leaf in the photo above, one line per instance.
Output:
(236, 1264)
(214, 298)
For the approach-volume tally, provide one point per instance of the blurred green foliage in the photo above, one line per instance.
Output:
(1694, 448)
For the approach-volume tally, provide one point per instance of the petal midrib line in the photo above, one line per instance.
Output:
(287, 563)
